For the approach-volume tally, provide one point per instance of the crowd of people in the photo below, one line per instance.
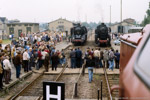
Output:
(95, 58)
(38, 50)
(30, 51)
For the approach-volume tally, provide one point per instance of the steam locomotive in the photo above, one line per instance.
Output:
(102, 35)
(78, 34)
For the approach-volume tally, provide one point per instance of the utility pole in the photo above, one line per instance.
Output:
(121, 28)
(121, 11)
(110, 15)
(85, 18)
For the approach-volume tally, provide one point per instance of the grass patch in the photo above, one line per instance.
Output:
(6, 41)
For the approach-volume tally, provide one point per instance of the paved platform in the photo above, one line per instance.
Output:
(88, 99)
(78, 70)
(28, 98)
(62, 45)
(59, 47)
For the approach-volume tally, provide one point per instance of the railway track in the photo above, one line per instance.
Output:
(108, 82)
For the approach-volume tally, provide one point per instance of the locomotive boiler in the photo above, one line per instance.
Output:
(102, 35)
(78, 34)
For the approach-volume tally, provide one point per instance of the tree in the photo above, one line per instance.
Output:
(147, 17)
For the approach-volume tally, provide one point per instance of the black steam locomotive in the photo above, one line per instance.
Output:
(102, 35)
(78, 34)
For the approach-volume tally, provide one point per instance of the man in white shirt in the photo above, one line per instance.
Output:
(7, 70)
(43, 55)
(26, 58)
(35, 38)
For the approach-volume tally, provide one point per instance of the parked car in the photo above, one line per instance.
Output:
(117, 41)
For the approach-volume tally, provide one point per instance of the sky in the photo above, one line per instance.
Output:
(73, 10)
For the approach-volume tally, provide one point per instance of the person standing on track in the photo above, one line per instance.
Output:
(46, 62)
(111, 59)
(90, 64)
(73, 58)
(117, 59)
(31, 58)
(1, 74)
(39, 60)
(62, 58)
(105, 58)
(96, 57)
(78, 58)
(26, 58)
(7, 69)
(101, 58)
(43, 56)
(55, 61)
(17, 64)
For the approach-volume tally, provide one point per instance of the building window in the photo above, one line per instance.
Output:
(19, 24)
(28, 30)
(30, 24)
(8, 24)
(13, 25)
(61, 28)
(11, 30)
(25, 24)
(61, 22)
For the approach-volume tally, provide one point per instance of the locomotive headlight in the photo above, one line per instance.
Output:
(97, 38)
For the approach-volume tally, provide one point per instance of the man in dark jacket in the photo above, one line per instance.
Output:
(17, 64)
(39, 63)
(78, 58)
(46, 62)
(117, 59)
(90, 64)
(55, 61)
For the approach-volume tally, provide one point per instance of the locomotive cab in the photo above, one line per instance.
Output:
(134, 66)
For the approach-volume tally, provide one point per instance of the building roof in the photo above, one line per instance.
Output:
(60, 19)
(121, 22)
(3, 19)
(128, 21)
(22, 23)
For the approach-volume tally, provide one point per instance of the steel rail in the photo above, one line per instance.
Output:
(75, 84)
(108, 86)
(61, 73)
(81, 72)
(25, 88)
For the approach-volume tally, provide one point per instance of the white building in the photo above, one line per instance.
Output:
(61, 25)
(123, 26)
(3, 22)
